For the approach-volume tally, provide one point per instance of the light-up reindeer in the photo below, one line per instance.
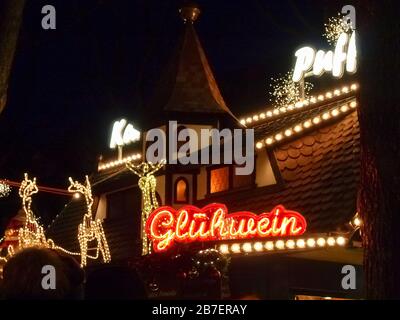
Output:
(90, 230)
(32, 234)
(147, 184)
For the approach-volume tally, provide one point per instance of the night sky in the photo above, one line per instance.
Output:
(103, 62)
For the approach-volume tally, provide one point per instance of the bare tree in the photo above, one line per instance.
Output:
(379, 115)
(10, 23)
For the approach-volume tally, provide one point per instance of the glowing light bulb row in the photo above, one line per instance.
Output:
(271, 113)
(291, 244)
(116, 163)
(286, 133)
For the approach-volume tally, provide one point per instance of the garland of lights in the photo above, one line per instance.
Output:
(147, 184)
(285, 91)
(4, 189)
(90, 230)
(335, 27)
(32, 234)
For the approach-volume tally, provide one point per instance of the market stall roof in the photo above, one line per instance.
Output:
(316, 173)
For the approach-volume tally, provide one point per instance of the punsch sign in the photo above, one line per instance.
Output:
(166, 225)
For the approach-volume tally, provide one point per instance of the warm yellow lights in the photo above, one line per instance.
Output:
(328, 95)
(76, 195)
(290, 244)
(326, 116)
(258, 246)
(331, 241)
(316, 120)
(269, 141)
(275, 112)
(281, 245)
(298, 128)
(357, 222)
(32, 233)
(340, 241)
(224, 249)
(288, 132)
(147, 184)
(269, 245)
(301, 243)
(335, 112)
(235, 248)
(311, 243)
(247, 247)
(116, 163)
(321, 242)
(344, 109)
(89, 230)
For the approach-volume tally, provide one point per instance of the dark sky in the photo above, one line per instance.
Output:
(104, 60)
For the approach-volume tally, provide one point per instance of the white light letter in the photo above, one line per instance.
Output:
(351, 62)
(130, 134)
(339, 56)
(305, 58)
(116, 135)
(323, 62)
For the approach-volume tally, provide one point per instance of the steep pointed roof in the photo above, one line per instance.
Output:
(190, 85)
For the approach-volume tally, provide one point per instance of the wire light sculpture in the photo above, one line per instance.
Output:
(147, 184)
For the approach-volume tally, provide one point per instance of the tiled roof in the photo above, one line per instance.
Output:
(265, 129)
(320, 176)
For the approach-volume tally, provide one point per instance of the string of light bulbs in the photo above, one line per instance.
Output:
(147, 184)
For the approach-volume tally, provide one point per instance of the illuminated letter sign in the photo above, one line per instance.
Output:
(123, 134)
(165, 225)
(345, 53)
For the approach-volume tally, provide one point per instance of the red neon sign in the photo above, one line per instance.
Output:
(165, 225)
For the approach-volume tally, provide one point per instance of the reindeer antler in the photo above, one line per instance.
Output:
(28, 187)
(86, 190)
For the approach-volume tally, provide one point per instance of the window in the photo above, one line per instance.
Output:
(181, 190)
(219, 180)
(224, 179)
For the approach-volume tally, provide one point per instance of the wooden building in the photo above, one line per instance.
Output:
(306, 158)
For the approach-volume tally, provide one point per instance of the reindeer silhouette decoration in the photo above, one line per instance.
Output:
(90, 230)
(147, 184)
(32, 234)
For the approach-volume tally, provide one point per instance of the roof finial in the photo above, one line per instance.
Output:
(189, 12)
